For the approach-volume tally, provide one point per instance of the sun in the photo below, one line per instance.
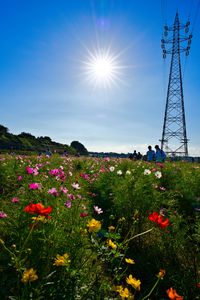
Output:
(102, 68)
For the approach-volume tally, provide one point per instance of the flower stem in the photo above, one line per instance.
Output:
(145, 297)
(137, 235)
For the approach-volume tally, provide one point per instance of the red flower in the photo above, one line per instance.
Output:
(38, 209)
(158, 219)
(83, 214)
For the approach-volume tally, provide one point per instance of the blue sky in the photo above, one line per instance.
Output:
(43, 86)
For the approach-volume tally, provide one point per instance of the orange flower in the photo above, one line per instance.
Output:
(172, 294)
(161, 274)
(38, 209)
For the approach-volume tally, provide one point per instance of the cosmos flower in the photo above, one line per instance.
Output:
(76, 186)
(68, 204)
(119, 172)
(147, 172)
(98, 210)
(158, 219)
(34, 186)
(3, 215)
(172, 294)
(53, 191)
(15, 200)
(112, 169)
(158, 174)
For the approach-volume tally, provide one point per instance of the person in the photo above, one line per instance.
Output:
(150, 154)
(160, 154)
(134, 155)
(139, 156)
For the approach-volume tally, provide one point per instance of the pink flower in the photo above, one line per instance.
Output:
(63, 189)
(3, 215)
(76, 186)
(71, 196)
(34, 186)
(53, 191)
(68, 204)
(15, 200)
(19, 177)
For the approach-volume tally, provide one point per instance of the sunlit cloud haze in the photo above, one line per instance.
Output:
(50, 71)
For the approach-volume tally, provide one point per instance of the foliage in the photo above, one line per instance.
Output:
(88, 228)
(26, 142)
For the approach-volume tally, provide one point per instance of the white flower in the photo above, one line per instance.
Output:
(119, 172)
(147, 172)
(128, 172)
(112, 169)
(76, 186)
(158, 174)
(98, 210)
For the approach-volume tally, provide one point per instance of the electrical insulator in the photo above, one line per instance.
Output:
(187, 53)
(162, 46)
(186, 29)
(166, 27)
(189, 42)
(164, 55)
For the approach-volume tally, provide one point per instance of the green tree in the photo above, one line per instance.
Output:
(79, 147)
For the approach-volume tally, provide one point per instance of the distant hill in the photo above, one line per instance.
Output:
(27, 142)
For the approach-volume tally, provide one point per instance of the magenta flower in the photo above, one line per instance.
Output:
(68, 204)
(71, 196)
(19, 177)
(34, 186)
(54, 172)
(53, 191)
(3, 215)
(29, 170)
(15, 200)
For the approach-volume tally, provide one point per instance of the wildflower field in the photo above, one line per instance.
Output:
(90, 228)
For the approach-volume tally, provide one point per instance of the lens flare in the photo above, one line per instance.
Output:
(102, 68)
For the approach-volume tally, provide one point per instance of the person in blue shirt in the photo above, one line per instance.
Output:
(160, 154)
(150, 154)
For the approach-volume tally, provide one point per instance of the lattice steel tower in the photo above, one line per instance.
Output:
(174, 138)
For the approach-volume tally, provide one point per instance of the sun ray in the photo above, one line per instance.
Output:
(102, 68)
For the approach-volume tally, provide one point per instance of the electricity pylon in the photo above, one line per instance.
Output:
(174, 137)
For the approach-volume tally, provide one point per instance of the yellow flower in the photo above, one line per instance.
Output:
(2, 242)
(29, 275)
(111, 228)
(94, 225)
(62, 260)
(111, 244)
(135, 283)
(124, 293)
(122, 219)
(161, 274)
(130, 261)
